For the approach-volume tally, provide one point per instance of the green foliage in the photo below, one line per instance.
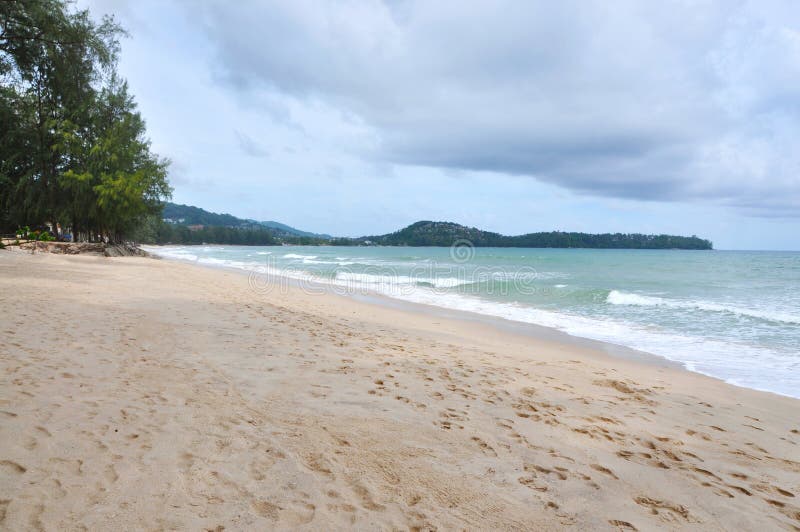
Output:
(146, 231)
(181, 234)
(190, 215)
(73, 149)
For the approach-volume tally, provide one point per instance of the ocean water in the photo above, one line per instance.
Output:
(734, 315)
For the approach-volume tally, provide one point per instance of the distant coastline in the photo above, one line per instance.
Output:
(187, 225)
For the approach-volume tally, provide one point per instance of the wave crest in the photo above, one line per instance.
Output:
(617, 297)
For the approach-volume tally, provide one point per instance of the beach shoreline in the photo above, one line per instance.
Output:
(533, 330)
(286, 409)
(372, 297)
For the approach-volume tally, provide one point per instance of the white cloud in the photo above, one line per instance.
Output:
(676, 100)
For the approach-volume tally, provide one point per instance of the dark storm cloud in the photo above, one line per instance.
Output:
(671, 100)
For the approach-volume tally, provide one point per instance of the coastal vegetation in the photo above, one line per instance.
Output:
(184, 224)
(214, 234)
(74, 155)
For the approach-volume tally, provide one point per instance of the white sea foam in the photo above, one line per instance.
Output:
(616, 297)
(399, 280)
(730, 361)
(336, 262)
(226, 263)
(735, 360)
(171, 252)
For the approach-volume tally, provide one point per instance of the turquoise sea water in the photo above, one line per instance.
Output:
(729, 314)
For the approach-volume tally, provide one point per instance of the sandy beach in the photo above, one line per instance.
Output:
(146, 394)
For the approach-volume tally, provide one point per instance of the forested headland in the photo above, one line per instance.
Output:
(74, 154)
(427, 233)
(187, 224)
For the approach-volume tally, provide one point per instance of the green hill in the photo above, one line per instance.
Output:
(291, 230)
(189, 215)
(427, 233)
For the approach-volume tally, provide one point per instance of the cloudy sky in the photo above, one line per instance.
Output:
(361, 117)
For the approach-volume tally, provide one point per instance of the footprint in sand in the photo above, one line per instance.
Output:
(604, 470)
(12, 467)
(622, 525)
(667, 511)
(485, 447)
(4, 509)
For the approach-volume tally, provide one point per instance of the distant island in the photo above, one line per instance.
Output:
(185, 224)
(428, 233)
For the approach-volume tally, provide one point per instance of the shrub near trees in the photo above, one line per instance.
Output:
(73, 149)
